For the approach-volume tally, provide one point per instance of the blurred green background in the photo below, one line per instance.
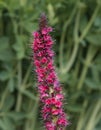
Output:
(77, 30)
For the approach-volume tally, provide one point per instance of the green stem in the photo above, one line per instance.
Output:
(27, 75)
(78, 64)
(34, 113)
(90, 54)
(86, 30)
(67, 23)
(4, 95)
(11, 15)
(76, 45)
(19, 97)
(82, 115)
(27, 93)
(30, 105)
(33, 116)
(22, 85)
(91, 123)
(78, 40)
(98, 118)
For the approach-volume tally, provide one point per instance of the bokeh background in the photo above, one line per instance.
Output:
(77, 30)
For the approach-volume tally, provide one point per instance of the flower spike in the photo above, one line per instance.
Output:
(49, 87)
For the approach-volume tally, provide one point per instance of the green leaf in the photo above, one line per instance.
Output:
(30, 26)
(9, 102)
(52, 18)
(97, 22)
(19, 47)
(94, 39)
(83, 23)
(6, 124)
(4, 75)
(77, 94)
(16, 115)
(11, 84)
(5, 50)
(28, 94)
(74, 108)
(92, 84)
(63, 77)
(96, 95)
(2, 125)
(6, 55)
(4, 43)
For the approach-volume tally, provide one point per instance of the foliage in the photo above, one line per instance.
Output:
(78, 61)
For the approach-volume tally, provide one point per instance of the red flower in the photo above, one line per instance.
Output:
(44, 60)
(59, 96)
(58, 104)
(50, 126)
(48, 84)
(56, 111)
(62, 122)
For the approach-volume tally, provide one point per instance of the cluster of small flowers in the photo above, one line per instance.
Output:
(48, 84)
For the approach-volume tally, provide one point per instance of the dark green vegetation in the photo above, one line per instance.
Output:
(78, 61)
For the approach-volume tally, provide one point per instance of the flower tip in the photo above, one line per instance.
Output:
(42, 21)
(43, 15)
